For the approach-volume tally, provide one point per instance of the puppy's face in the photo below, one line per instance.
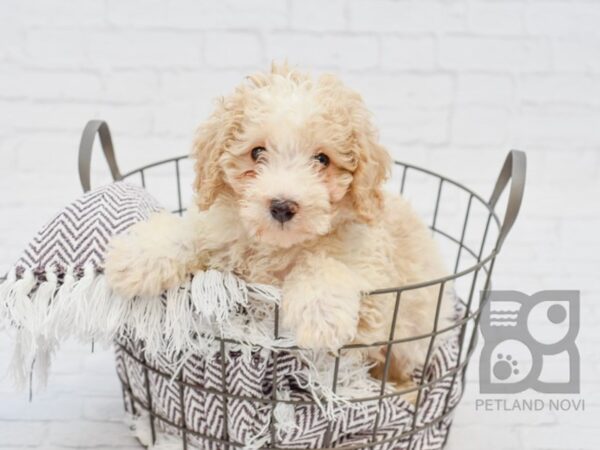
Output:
(289, 167)
(295, 155)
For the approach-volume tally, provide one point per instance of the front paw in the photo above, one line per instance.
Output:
(327, 321)
(135, 269)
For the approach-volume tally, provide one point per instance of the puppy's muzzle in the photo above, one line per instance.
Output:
(283, 210)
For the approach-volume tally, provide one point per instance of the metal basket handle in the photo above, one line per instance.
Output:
(85, 152)
(513, 170)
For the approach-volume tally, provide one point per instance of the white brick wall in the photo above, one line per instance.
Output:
(453, 85)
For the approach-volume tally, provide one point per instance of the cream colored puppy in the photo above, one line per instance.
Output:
(289, 192)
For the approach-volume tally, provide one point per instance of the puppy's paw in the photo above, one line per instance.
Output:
(321, 320)
(131, 271)
(141, 263)
(317, 333)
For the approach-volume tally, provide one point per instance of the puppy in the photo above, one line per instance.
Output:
(289, 176)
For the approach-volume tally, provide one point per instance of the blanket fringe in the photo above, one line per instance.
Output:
(45, 313)
(184, 321)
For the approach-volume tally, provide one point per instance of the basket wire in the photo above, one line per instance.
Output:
(466, 325)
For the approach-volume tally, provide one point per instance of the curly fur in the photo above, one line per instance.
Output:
(347, 237)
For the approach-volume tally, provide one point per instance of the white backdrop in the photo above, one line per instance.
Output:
(452, 84)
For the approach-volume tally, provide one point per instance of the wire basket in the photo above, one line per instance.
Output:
(468, 229)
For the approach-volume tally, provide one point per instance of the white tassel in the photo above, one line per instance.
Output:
(112, 308)
(18, 299)
(44, 352)
(178, 318)
(62, 314)
(42, 302)
(17, 368)
(6, 288)
(79, 301)
(22, 317)
(41, 332)
(264, 293)
(204, 303)
(215, 295)
(205, 306)
(147, 322)
(237, 292)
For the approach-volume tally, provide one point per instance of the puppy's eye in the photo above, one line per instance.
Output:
(323, 159)
(256, 151)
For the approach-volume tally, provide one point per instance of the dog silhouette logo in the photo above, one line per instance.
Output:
(529, 342)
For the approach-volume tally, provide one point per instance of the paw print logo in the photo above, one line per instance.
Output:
(505, 367)
(522, 335)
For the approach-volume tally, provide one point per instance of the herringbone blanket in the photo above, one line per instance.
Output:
(57, 290)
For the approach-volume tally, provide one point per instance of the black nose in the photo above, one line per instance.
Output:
(283, 210)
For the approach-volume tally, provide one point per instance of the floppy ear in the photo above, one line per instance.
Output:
(212, 138)
(374, 164)
(372, 161)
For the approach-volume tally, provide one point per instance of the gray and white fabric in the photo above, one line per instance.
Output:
(57, 290)
(77, 236)
(248, 421)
